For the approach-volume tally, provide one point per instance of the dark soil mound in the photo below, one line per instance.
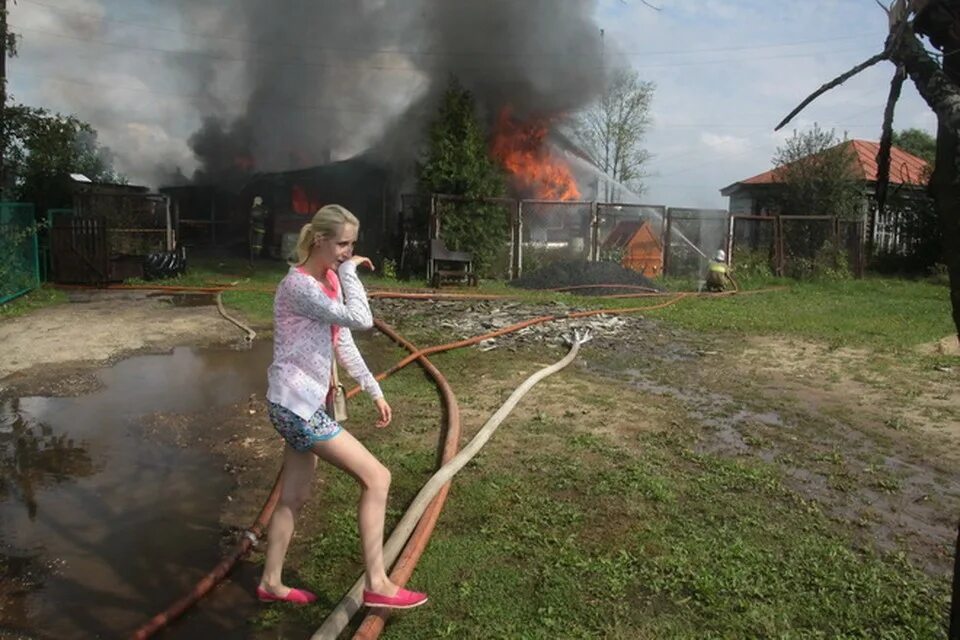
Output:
(580, 273)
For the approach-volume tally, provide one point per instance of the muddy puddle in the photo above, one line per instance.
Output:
(898, 501)
(185, 299)
(101, 526)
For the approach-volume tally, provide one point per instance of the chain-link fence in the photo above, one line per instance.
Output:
(692, 237)
(519, 236)
(554, 231)
(611, 215)
(485, 228)
(753, 245)
(798, 246)
(19, 251)
(809, 246)
(631, 235)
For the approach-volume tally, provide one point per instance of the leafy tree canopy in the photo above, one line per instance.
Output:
(817, 175)
(918, 142)
(611, 131)
(41, 148)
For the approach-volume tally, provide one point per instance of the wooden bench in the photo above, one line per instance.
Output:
(445, 265)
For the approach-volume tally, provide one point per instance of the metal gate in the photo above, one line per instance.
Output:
(78, 250)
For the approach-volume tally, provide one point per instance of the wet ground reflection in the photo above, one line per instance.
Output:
(100, 528)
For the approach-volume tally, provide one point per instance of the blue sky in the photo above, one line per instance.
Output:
(726, 71)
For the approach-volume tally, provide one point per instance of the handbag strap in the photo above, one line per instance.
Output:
(334, 377)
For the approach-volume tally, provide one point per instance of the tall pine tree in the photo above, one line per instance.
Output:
(457, 162)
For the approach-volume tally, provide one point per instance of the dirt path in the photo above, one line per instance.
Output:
(100, 327)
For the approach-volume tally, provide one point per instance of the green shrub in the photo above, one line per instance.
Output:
(751, 264)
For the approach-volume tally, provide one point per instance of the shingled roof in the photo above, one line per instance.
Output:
(905, 168)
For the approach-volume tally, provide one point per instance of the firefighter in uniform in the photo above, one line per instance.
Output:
(258, 227)
(718, 274)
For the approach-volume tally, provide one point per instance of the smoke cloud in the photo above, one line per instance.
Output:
(330, 79)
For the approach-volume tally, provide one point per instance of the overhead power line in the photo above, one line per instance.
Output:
(275, 61)
(421, 52)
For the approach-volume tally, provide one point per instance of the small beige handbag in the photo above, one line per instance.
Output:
(337, 396)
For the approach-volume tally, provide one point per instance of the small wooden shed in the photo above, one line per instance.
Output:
(642, 249)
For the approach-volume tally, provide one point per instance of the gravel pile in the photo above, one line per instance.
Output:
(463, 319)
(578, 273)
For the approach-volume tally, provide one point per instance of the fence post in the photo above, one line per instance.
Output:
(778, 244)
(433, 232)
(862, 248)
(36, 252)
(836, 242)
(666, 244)
(169, 219)
(516, 242)
(594, 254)
(729, 243)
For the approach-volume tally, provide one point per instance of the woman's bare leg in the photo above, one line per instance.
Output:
(298, 470)
(347, 453)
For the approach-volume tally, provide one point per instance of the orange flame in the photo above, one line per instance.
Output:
(301, 202)
(522, 150)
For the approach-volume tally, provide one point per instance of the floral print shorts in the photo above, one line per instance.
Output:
(299, 433)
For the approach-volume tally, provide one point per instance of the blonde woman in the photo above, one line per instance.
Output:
(316, 306)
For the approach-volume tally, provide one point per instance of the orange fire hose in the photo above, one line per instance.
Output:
(407, 558)
(218, 573)
(417, 542)
(403, 568)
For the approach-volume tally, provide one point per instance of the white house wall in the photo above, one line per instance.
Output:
(741, 205)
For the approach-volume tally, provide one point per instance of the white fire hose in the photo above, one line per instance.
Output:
(338, 619)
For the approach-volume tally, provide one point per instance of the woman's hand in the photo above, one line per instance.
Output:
(362, 261)
(386, 413)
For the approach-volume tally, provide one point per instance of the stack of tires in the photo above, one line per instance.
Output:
(165, 264)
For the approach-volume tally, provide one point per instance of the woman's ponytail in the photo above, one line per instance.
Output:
(304, 242)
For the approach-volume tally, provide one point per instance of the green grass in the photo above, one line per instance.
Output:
(36, 299)
(555, 530)
(884, 313)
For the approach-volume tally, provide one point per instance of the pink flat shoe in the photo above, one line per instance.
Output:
(296, 596)
(403, 600)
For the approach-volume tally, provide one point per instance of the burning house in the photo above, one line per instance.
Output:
(341, 116)
(216, 218)
(292, 197)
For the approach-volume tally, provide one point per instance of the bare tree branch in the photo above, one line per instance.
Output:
(833, 83)
(886, 139)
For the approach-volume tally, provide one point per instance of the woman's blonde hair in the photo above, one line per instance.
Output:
(327, 223)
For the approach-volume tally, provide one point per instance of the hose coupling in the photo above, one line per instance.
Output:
(252, 537)
(579, 336)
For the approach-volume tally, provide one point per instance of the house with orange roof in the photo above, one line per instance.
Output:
(908, 177)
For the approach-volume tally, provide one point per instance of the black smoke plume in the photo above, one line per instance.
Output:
(330, 79)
